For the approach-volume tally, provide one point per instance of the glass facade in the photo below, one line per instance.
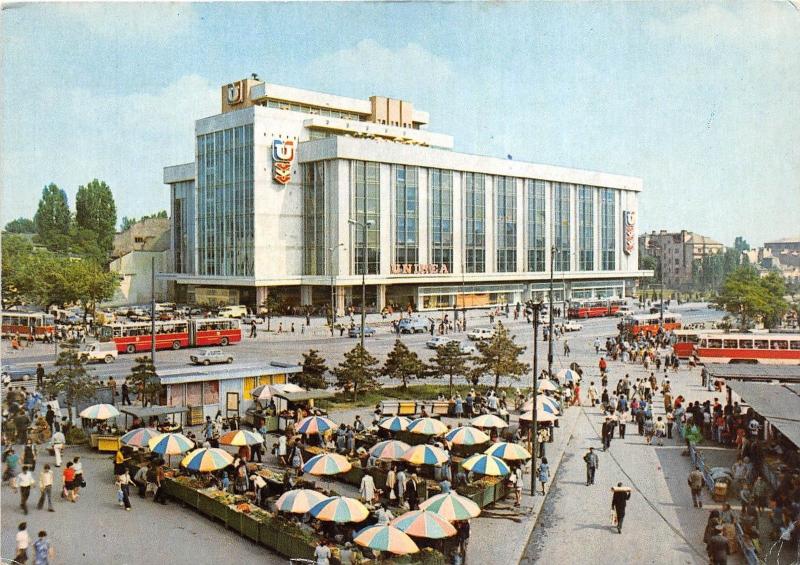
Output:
(225, 242)
(585, 228)
(182, 210)
(536, 226)
(608, 240)
(440, 193)
(561, 203)
(314, 218)
(505, 191)
(366, 208)
(474, 222)
(406, 219)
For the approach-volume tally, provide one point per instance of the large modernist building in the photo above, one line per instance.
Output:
(300, 191)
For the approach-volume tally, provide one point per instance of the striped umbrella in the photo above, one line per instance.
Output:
(389, 450)
(99, 412)
(546, 384)
(423, 524)
(543, 404)
(140, 437)
(339, 509)
(265, 392)
(386, 538)
(488, 421)
(568, 375)
(241, 437)
(451, 506)
(508, 451)
(541, 416)
(170, 444)
(486, 465)
(315, 425)
(427, 426)
(205, 460)
(394, 423)
(466, 435)
(425, 455)
(299, 501)
(327, 464)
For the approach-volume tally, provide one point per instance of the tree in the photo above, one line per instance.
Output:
(449, 360)
(358, 371)
(740, 244)
(16, 251)
(499, 356)
(750, 298)
(777, 306)
(71, 379)
(52, 219)
(145, 380)
(314, 369)
(273, 303)
(21, 225)
(95, 211)
(648, 263)
(93, 284)
(126, 222)
(402, 363)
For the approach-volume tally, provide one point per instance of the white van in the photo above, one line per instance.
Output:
(105, 351)
(233, 311)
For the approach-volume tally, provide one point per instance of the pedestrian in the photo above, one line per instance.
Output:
(68, 491)
(12, 468)
(618, 502)
(696, 481)
(592, 463)
(78, 483)
(23, 540)
(43, 551)
(605, 432)
(718, 547)
(46, 489)
(25, 482)
(412, 494)
(592, 394)
(566, 348)
(124, 490)
(518, 484)
(253, 329)
(367, 489)
(624, 417)
(39, 376)
(112, 387)
(50, 418)
(660, 428)
(322, 553)
(462, 534)
(58, 445)
(544, 473)
(126, 399)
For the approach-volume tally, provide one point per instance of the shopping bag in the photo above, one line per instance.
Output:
(613, 518)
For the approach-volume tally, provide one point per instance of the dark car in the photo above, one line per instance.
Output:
(11, 374)
(356, 331)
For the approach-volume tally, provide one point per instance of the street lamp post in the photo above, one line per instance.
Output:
(536, 307)
(333, 288)
(364, 226)
(661, 277)
(550, 313)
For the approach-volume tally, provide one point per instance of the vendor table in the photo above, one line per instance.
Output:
(108, 443)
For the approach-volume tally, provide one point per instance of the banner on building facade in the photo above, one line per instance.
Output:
(629, 230)
(420, 269)
(282, 156)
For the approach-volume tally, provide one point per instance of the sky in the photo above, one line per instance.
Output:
(700, 100)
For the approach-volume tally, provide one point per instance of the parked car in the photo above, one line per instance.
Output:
(571, 326)
(247, 320)
(356, 331)
(438, 341)
(237, 311)
(209, 356)
(481, 333)
(468, 347)
(413, 325)
(623, 311)
(12, 374)
(105, 351)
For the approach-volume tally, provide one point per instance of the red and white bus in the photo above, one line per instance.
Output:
(594, 308)
(648, 324)
(769, 348)
(30, 325)
(131, 337)
(687, 339)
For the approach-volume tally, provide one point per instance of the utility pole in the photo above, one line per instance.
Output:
(153, 310)
(536, 308)
(550, 314)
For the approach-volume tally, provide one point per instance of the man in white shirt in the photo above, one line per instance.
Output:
(46, 488)
(23, 541)
(25, 481)
(58, 445)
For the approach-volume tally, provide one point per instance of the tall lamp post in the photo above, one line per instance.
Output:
(550, 313)
(333, 288)
(364, 226)
(535, 308)
(153, 311)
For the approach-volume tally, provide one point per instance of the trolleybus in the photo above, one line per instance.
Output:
(30, 325)
(648, 324)
(769, 348)
(131, 337)
(594, 308)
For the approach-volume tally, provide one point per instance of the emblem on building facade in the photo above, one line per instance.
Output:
(235, 93)
(629, 231)
(282, 156)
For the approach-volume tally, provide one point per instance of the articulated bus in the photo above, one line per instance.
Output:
(769, 348)
(594, 308)
(648, 324)
(686, 340)
(30, 325)
(131, 337)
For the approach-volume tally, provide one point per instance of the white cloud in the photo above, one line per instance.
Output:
(130, 20)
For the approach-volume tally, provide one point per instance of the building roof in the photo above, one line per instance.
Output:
(698, 239)
(778, 404)
(760, 372)
(151, 411)
(224, 372)
(795, 239)
(304, 395)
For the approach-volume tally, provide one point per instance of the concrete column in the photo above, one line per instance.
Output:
(597, 225)
(386, 207)
(381, 296)
(548, 224)
(458, 222)
(305, 295)
(521, 256)
(261, 295)
(424, 208)
(573, 227)
(344, 231)
(341, 300)
(490, 221)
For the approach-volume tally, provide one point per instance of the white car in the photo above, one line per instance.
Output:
(209, 356)
(438, 341)
(481, 333)
(572, 326)
(468, 347)
(105, 351)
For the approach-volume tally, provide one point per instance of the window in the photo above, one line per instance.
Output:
(761, 344)
(475, 222)
(715, 343)
(505, 191)
(561, 200)
(745, 344)
(211, 392)
(794, 345)
(730, 344)
(585, 228)
(780, 344)
(366, 208)
(441, 217)
(536, 226)
(406, 214)
(314, 241)
(194, 393)
(608, 240)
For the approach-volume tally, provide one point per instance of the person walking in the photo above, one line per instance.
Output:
(25, 482)
(124, 486)
(605, 432)
(618, 502)
(23, 540)
(696, 481)
(112, 387)
(58, 445)
(46, 488)
(29, 455)
(39, 377)
(592, 463)
(660, 428)
(718, 547)
(78, 483)
(544, 473)
(68, 491)
(566, 348)
(43, 551)
(624, 417)
(412, 493)
(126, 399)
(253, 328)
(592, 394)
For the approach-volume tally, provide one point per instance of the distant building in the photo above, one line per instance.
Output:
(676, 253)
(132, 256)
(782, 256)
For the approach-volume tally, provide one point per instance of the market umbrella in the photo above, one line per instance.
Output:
(170, 444)
(299, 501)
(394, 423)
(543, 404)
(451, 506)
(423, 524)
(488, 421)
(546, 384)
(207, 459)
(241, 437)
(541, 416)
(265, 392)
(508, 451)
(386, 538)
(327, 464)
(486, 465)
(425, 455)
(427, 426)
(140, 437)
(99, 412)
(466, 435)
(314, 425)
(339, 509)
(568, 375)
(389, 450)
